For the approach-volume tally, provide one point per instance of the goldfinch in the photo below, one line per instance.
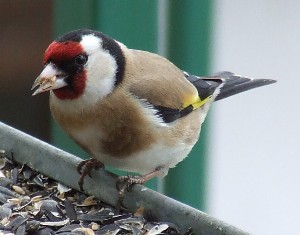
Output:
(131, 109)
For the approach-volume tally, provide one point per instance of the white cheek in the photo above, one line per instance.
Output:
(101, 71)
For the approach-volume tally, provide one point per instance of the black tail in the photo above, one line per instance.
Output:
(225, 84)
(234, 84)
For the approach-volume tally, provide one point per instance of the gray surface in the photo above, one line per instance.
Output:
(61, 166)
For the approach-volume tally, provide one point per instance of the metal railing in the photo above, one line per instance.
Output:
(61, 166)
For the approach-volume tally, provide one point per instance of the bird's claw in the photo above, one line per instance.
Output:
(128, 180)
(123, 184)
(85, 168)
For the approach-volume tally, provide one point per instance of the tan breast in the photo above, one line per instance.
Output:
(116, 124)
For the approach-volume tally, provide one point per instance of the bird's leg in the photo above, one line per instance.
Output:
(126, 181)
(85, 167)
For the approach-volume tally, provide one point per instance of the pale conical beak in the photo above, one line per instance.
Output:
(50, 79)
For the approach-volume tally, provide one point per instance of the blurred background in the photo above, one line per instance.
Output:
(245, 169)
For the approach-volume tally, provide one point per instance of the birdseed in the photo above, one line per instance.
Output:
(31, 203)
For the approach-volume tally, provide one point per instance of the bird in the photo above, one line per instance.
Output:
(130, 109)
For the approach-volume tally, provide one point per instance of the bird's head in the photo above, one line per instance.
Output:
(81, 62)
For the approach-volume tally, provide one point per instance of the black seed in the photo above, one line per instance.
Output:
(70, 210)
(49, 205)
(68, 228)
(45, 231)
(95, 216)
(21, 230)
(15, 174)
(51, 216)
(3, 198)
(5, 212)
(32, 226)
(5, 182)
(109, 228)
(7, 192)
(27, 172)
(16, 222)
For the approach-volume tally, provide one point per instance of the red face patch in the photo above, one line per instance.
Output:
(59, 52)
(75, 90)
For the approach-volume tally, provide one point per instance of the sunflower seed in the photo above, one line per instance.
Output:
(7, 192)
(5, 212)
(157, 229)
(55, 224)
(5, 182)
(70, 210)
(21, 230)
(15, 175)
(49, 205)
(18, 189)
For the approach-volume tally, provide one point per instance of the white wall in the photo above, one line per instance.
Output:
(254, 169)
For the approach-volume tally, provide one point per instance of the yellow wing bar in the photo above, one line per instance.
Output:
(198, 103)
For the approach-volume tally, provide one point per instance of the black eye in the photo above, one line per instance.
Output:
(81, 60)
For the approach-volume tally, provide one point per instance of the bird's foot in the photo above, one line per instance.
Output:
(85, 168)
(124, 182)
(128, 180)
